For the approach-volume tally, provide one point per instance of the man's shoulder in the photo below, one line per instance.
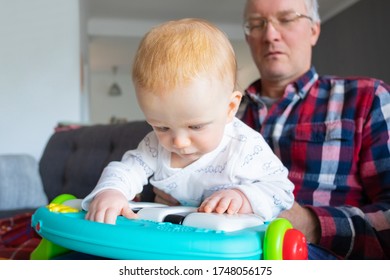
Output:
(351, 80)
(353, 85)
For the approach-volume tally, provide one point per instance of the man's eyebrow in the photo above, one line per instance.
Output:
(253, 16)
(257, 15)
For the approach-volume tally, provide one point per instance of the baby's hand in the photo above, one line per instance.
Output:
(231, 201)
(107, 206)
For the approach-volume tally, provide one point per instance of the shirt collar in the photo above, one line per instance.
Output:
(301, 86)
(305, 82)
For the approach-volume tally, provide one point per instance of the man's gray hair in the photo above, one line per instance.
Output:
(312, 9)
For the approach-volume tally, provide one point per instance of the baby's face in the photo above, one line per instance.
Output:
(189, 122)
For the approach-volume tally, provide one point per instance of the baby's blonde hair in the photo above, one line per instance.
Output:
(177, 52)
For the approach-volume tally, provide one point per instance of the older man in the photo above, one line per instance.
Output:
(332, 133)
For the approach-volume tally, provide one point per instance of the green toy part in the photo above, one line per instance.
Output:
(273, 239)
(62, 198)
(46, 250)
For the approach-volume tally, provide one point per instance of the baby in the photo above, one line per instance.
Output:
(184, 75)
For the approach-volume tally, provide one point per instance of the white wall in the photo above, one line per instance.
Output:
(39, 71)
(103, 106)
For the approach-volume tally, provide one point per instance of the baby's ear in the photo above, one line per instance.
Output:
(234, 104)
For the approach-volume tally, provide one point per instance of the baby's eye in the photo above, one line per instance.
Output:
(161, 128)
(196, 127)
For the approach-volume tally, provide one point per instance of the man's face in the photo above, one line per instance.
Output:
(282, 48)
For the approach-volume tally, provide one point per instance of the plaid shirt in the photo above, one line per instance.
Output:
(333, 136)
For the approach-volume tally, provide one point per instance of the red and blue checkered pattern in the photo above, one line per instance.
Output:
(333, 135)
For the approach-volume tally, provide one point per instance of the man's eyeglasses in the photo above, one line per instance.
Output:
(255, 26)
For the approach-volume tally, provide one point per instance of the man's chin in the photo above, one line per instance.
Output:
(274, 74)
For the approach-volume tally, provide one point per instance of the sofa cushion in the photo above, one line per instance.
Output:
(73, 160)
(20, 183)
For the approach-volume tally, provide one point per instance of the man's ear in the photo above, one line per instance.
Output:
(315, 33)
(234, 104)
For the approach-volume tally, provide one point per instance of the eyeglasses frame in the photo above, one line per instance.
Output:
(248, 29)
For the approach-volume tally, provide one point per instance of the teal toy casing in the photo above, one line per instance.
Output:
(147, 240)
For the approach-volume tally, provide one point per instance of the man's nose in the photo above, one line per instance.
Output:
(271, 31)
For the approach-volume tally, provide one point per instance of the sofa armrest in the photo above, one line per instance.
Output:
(20, 183)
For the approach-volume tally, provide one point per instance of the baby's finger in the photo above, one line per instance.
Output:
(223, 205)
(97, 216)
(234, 207)
(89, 215)
(128, 213)
(209, 205)
(110, 216)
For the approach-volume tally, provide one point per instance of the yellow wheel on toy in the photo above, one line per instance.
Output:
(57, 204)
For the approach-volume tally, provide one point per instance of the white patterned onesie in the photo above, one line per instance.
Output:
(243, 160)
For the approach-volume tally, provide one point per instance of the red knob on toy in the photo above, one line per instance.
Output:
(294, 245)
(38, 227)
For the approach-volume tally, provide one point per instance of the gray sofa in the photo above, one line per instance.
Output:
(72, 162)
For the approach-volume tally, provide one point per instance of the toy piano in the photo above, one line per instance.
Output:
(163, 232)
